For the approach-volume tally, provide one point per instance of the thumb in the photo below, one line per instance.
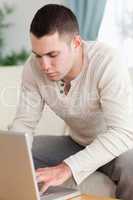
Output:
(45, 187)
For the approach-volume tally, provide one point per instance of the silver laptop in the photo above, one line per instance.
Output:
(17, 173)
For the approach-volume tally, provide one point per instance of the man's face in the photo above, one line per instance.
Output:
(54, 55)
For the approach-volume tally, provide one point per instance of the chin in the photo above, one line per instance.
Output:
(56, 78)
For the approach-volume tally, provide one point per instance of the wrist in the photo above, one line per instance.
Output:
(67, 169)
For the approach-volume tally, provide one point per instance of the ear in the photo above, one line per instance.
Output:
(77, 41)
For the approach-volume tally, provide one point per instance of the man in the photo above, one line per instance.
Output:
(86, 85)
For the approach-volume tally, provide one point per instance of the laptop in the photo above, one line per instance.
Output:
(17, 172)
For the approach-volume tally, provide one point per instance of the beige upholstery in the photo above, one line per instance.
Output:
(50, 123)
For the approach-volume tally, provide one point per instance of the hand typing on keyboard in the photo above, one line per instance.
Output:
(52, 176)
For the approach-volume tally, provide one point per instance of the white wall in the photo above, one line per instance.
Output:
(17, 36)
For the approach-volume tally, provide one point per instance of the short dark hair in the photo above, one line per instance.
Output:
(53, 18)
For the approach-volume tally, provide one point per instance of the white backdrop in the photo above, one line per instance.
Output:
(17, 36)
(117, 28)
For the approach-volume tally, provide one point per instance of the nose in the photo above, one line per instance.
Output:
(45, 63)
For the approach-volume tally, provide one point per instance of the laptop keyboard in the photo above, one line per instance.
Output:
(58, 193)
(48, 192)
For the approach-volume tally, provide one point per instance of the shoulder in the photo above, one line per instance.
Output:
(105, 63)
(99, 51)
(29, 65)
(103, 58)
(28, 75)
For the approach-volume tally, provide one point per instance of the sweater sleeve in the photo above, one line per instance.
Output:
(114, 87)
(30, 104)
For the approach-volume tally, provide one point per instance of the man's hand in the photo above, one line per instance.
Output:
(53, 176)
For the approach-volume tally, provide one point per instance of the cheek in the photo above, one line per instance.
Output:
(58, 62)
(39, 63)
(65, 59)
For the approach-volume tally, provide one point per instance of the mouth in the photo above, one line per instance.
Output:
(52, 75)
(49, 74)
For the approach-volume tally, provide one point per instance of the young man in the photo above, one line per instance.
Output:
(86, 85)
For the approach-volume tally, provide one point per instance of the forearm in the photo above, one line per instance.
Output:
(101, 151)
(30, 105)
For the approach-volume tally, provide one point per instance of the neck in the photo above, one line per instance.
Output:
(77, 67)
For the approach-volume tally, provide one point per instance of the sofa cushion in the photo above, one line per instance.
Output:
(96, 184)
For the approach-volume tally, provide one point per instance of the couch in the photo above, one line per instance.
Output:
(10, 80)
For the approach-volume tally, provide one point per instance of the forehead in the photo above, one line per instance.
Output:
(47, 43)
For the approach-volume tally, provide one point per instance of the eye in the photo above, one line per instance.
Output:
(53, 55)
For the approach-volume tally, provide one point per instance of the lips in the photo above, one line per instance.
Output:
(51, 74)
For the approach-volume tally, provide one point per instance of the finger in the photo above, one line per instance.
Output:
(39, 173)
(40, 185)
(39, 179)
(39, 169)
(44, 173)
(45, 187)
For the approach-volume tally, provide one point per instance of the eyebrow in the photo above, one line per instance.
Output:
(51, 52)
